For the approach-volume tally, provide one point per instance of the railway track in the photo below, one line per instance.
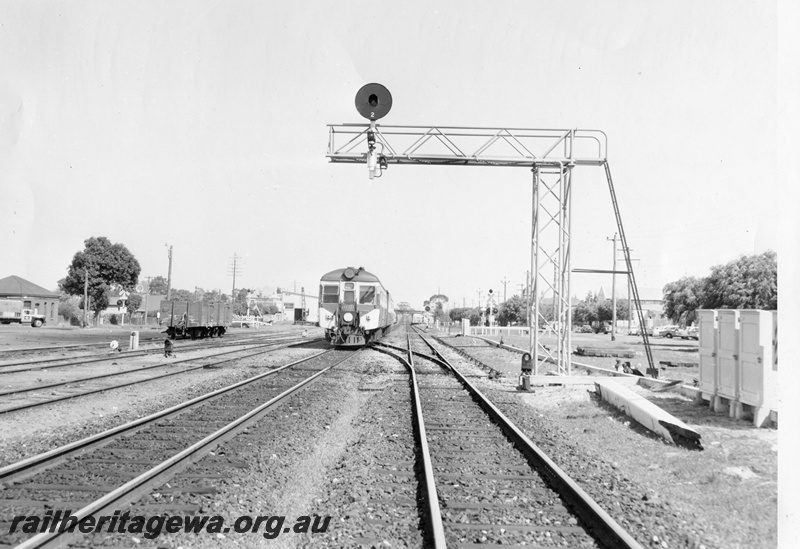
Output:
(107, 471)
(483, 482)
(62, 361)
(24, 398)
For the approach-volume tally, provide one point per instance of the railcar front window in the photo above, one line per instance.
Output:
(330, 294)
(349, 297)
(367, 295)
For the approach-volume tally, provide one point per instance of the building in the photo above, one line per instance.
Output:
(34, 297)
(652, 303)
(288, 306)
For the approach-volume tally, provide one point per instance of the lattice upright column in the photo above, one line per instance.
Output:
(550, 265)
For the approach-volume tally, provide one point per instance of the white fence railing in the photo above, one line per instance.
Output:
(499, 330)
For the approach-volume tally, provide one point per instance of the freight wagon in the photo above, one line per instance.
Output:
(195, 319)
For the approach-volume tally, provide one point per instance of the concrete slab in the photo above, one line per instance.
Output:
(647, 414)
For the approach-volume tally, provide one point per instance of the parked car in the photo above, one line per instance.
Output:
(690, 333)
(669, 331)
(635, 331)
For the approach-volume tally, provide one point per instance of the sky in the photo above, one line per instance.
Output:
(202, 126)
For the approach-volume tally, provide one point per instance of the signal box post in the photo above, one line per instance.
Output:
(525, 375)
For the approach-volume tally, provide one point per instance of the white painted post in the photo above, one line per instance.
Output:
(134, 341)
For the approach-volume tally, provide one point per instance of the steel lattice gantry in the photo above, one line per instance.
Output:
(551, 155)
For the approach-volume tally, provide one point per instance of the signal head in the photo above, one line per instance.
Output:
(373, 101)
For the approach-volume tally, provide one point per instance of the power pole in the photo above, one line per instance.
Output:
(85, 296)
(613, 290)
(504, 282)
(169, 274)
(146, 293)
(234, 268)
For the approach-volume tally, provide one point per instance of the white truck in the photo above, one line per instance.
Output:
(14, 311)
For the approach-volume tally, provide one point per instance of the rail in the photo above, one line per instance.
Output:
(602, 525)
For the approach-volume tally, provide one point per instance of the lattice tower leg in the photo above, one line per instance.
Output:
(629, 268)
(551, 267)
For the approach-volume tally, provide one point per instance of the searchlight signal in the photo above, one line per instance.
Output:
(373, 101)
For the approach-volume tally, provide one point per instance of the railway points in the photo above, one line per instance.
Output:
(127, 452)
(20, 398)
(367, 477)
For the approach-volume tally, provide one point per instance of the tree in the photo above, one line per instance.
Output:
(750, 282)
(158, 286)
(586, 311)
(437, 297)
(213, 296)
(604, 310)
(241, 295)
(182, 295)
(134, 301)
(472, 314)
(682, 298)
(512, 311)
(106, 264)
(68, 307)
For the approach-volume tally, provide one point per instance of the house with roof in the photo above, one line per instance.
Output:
(40, 300)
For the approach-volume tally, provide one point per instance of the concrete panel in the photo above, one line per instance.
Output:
(648, 414)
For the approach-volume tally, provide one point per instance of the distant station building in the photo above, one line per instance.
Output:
(652, 303)
(287, 306)
(299, 307)
(33, 296)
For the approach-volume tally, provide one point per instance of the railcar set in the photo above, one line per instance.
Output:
(354, 307)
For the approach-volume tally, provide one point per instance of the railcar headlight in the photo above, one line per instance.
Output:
(348, 317)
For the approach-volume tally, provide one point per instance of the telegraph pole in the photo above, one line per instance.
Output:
(85, 296)
(169, 274)
(504, 282)
(613, 290)
(235, 268)
(146, 293)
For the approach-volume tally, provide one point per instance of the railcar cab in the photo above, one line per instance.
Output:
(351, 302)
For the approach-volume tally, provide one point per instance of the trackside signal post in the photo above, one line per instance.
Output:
(551, 156)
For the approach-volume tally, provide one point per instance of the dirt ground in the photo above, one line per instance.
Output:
(37, 430)
(731, 483)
